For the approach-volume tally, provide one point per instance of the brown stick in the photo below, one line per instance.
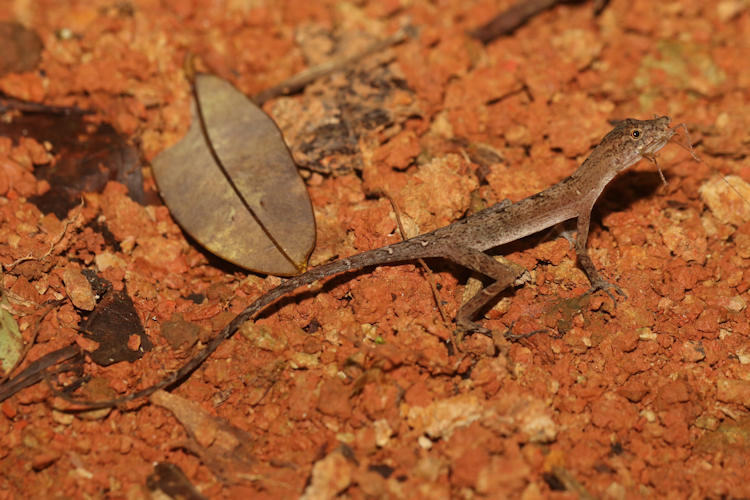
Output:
(37, 370)
(309, 75)
(428, 272)
(516, 15)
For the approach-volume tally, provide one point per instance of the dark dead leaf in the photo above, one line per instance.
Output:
(223, 448)
(232, 185)
(112, 324)
(21, 48)
(87, 155)
(169, 479)
(99, 285)
(329, 124)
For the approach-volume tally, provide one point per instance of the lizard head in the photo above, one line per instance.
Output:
(646, 136)
(625, 145)
(631, 140)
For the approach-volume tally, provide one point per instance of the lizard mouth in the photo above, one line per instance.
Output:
(660, 141)
(655, 145)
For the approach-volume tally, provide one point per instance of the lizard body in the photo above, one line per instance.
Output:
(465, 241)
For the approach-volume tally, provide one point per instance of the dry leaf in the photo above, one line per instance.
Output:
(21, 48)
(235, 188)
(115, 325)
(87, 156)
(169, 480)
(11, 342)
(223, 448)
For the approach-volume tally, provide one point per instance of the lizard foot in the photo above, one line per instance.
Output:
(607, 287)
(467, 326)
(509, 335)
(520, 336)
(464, 327)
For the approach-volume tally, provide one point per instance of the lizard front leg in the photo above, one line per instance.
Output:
(597, 282)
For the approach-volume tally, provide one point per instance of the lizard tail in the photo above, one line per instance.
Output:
(398, 252)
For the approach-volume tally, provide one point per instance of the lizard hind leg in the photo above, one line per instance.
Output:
(470, 308)
(504, 275)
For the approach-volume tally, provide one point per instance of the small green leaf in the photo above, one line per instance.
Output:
(11, 341)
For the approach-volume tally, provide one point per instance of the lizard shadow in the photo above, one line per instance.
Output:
(630, 186)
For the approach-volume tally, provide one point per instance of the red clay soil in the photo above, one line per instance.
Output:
(353, 388)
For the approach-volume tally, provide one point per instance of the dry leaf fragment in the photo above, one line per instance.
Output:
(11, 341)
(232, 185)
(22, 48)
(225, 449)
(87, 156)
(169, 480)
(112, 324)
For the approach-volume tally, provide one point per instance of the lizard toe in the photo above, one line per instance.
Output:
(509, 335)
(607, 288)
(467, 326)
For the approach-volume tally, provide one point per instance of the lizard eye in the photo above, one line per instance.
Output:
(635, 133)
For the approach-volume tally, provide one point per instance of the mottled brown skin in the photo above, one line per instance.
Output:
(465, 241)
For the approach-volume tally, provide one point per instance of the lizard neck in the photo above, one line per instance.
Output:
(597, 171)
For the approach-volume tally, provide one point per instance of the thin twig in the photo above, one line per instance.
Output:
(510, 19)
(13, 104)
(37, 370)
(518, 14)
(428, 272)
(309, 75)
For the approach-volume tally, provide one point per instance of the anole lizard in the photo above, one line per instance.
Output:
(465, 241)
